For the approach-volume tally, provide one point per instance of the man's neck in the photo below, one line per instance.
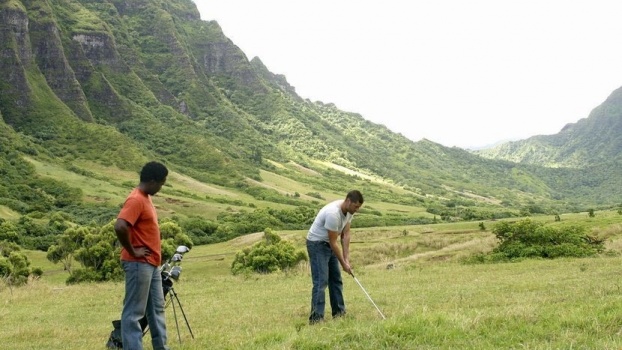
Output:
(143, 188)
(344, 209)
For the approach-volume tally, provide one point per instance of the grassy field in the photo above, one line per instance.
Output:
(430, 299)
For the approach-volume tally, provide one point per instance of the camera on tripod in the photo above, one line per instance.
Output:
(170, 272)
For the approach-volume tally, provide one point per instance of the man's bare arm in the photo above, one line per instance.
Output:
(345, 243)
(122, 229)
(332, 240)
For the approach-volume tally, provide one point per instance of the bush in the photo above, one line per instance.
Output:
(14, 265)
(270, 255)
(200, 230)
(94, 248)
(84, 275)
(530, 239)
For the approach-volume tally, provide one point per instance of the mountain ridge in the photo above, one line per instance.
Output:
(117, 83)
(588, 142)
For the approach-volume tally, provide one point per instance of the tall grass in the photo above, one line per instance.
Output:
(430, 303)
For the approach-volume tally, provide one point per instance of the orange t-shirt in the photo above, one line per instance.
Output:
(139, 212)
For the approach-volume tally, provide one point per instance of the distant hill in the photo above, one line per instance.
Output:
(590, 142)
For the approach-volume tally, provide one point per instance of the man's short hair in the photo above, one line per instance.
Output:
(153, 171)
(355, 196)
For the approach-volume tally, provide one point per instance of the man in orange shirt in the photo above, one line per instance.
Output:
(138, 232)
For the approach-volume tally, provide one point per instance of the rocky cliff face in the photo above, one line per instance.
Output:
(15, 57)
(96, 55)
(50, 57)
(148, 74)
(108, 61)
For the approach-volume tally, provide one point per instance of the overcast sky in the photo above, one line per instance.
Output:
(460, 73)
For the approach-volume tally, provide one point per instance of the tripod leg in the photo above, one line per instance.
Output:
(184, 314)
(175, 316)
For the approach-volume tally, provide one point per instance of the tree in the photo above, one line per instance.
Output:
(99, 257)
(200, 230)
(14, 265)
(9, 232)
(66, 245)
(94, 248)
(172, 236)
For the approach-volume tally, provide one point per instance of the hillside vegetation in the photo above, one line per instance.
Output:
(95, 89)
(587, 144)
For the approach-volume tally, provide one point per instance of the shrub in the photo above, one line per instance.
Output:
(200, 230)
(95, 249)
(14, 265)
(530, 239)
(84, 275)
(270, 255)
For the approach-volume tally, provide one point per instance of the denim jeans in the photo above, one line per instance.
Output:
(143, 297)
(325, 271)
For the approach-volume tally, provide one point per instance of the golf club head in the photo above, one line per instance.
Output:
(175, 272)
(182, 249)
(176, 258)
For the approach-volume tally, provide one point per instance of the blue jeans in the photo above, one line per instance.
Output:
(143, 297)
(325, 271)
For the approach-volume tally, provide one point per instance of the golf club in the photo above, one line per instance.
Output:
(368, 297)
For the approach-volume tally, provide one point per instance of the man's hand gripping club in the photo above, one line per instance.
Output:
(332, 241)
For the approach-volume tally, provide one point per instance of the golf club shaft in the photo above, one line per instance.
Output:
(368, 297)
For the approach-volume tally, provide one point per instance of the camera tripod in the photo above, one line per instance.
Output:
(167, 285)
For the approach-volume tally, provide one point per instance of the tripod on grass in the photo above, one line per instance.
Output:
(167, 285)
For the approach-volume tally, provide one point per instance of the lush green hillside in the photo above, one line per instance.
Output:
(588, 143)
(95, 89)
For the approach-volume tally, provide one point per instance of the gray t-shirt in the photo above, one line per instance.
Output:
(330, 218)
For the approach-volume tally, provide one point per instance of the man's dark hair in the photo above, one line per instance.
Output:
(355, 196)
(153, 171)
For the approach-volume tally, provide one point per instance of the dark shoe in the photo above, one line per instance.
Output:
(339, 314)
(314, 320)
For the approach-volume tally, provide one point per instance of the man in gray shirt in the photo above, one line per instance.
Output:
(325, 256)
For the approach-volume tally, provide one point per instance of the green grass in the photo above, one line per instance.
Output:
(430, 299)
(181, 195)
(184, 196)
(8, 213)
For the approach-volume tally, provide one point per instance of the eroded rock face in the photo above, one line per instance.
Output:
(225, 58)
(103, 59)
(100, 49)
(15, 31)
(15, 55)
(53, 63)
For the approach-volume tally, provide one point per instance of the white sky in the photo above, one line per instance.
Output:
(460, 73)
